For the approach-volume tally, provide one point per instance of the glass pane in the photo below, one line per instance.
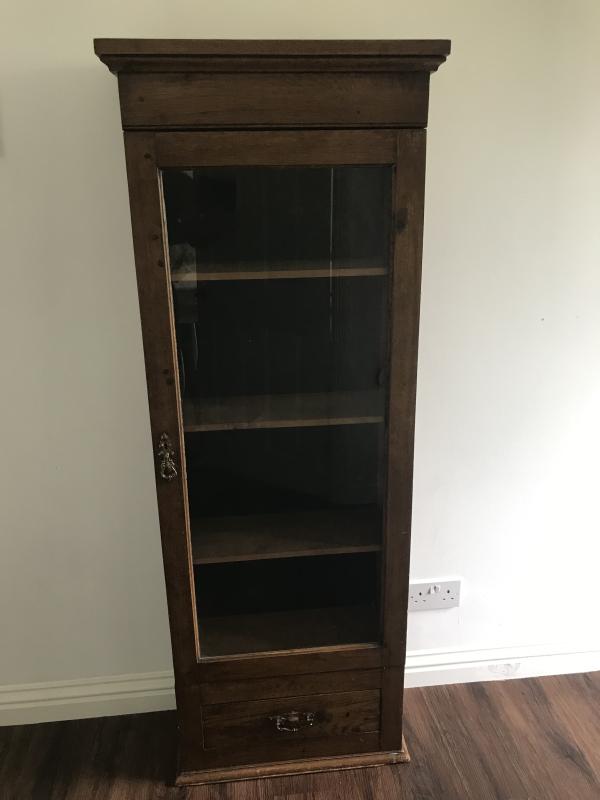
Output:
(280, 283)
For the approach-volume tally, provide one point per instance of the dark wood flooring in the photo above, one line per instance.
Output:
(533, 739)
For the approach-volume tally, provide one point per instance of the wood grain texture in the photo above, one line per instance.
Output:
(274, 148)
(262, 758)
(289, 686)
(325, 659)
(287, 630)
(533, 739)
(404, 334)
(273, 100)
(296, 767)
(230, 55)
(224, 272)
(310, 410)
(335, 714)
(272, 47)
(218, 540)
(149, 242)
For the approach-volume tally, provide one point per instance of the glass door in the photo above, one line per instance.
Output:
(280, 294)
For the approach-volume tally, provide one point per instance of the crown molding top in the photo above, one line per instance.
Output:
(271, 55)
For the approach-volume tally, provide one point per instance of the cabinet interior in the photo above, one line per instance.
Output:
(280, 297)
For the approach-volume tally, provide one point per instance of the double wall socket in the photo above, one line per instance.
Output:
(430, 595)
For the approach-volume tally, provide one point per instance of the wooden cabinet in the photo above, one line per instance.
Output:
(276, 194)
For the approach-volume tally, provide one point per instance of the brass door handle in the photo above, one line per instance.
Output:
(165, 453)
(293, 721)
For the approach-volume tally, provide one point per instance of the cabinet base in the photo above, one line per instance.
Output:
(275, 769)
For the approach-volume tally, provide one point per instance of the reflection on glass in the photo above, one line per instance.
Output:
(280, 295)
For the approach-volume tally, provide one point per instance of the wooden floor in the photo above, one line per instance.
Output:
(516, 740)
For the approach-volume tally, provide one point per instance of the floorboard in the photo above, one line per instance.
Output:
(535, 739)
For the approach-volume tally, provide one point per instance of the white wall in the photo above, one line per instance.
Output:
(508, 430)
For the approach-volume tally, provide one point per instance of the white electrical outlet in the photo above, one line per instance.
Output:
(430, 595)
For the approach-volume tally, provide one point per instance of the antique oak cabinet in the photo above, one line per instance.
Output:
(276, 192)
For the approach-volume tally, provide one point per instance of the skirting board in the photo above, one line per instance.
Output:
(434, 667)
(153, 691)
(92, 697)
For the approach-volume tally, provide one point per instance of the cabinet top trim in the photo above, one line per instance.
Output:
(158, 55)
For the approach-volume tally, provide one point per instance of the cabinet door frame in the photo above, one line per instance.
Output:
(147, 153)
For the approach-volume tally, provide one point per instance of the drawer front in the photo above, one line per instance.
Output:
(291, 719)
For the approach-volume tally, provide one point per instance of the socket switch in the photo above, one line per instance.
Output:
(430, 595)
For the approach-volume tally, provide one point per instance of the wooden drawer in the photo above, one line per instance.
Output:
(291, 719)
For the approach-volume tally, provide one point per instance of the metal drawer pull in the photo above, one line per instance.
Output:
(165, 452)
(294, 720)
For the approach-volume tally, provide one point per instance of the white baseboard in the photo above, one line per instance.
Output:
(89, 697)
(435, 667)
(153, 691)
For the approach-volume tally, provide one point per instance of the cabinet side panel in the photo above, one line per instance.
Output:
(163, 391)
(405, 301)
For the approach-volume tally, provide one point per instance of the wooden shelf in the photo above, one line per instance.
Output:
(235, 272)
(283, 411)
(287, 630)
(218, 540)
